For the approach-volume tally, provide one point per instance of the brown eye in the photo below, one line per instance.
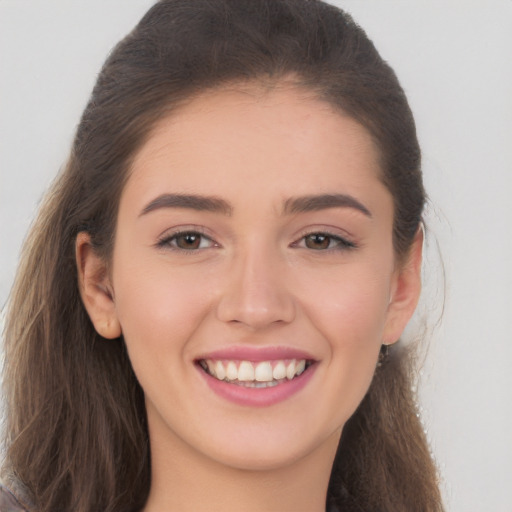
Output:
(324, 242)
(188, 241)
(317, 241)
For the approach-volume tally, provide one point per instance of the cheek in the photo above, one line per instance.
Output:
(158, 308)
(350, 314)
(353, 321)
(350, 308)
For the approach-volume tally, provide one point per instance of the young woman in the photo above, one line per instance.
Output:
(208, 308)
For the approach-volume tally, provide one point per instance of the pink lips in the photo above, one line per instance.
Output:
(257, 397)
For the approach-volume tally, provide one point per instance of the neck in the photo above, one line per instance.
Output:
(184, 480)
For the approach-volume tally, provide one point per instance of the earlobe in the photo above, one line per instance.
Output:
(405, 291)
(95, 288)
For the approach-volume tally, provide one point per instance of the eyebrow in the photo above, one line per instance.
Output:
(188, 201)
(321, 202)
(292, 205)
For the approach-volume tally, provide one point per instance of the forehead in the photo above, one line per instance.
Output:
(279, 140)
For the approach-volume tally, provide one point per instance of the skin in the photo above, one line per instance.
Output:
(256, 279)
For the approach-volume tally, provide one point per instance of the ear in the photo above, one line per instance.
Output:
(405, 291)
(95, 288)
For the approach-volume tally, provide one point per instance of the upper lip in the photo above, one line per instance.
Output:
(256, 354)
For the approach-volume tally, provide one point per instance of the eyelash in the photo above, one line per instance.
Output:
(167, 240)
(340, 242)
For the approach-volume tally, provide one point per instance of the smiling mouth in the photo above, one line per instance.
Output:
(262, 374)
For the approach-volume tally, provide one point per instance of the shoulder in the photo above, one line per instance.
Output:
(9, 502)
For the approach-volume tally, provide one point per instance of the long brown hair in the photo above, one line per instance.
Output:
(76, 429)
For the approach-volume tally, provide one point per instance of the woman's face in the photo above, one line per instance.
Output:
(252, 276)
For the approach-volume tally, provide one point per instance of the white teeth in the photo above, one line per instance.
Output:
(220, 372)
(232, 371)
(290, 370)
(263, 372)
(248, 374)
(255, 384)
(279, 371)
(245, 371)
(211, 368)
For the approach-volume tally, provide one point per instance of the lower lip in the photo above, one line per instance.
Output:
(258, 397)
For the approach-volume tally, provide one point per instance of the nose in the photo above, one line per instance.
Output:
(255, 293)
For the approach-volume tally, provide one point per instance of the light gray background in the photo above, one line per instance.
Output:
(454, 61)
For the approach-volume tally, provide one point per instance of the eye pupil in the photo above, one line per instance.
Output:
(318, 241)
